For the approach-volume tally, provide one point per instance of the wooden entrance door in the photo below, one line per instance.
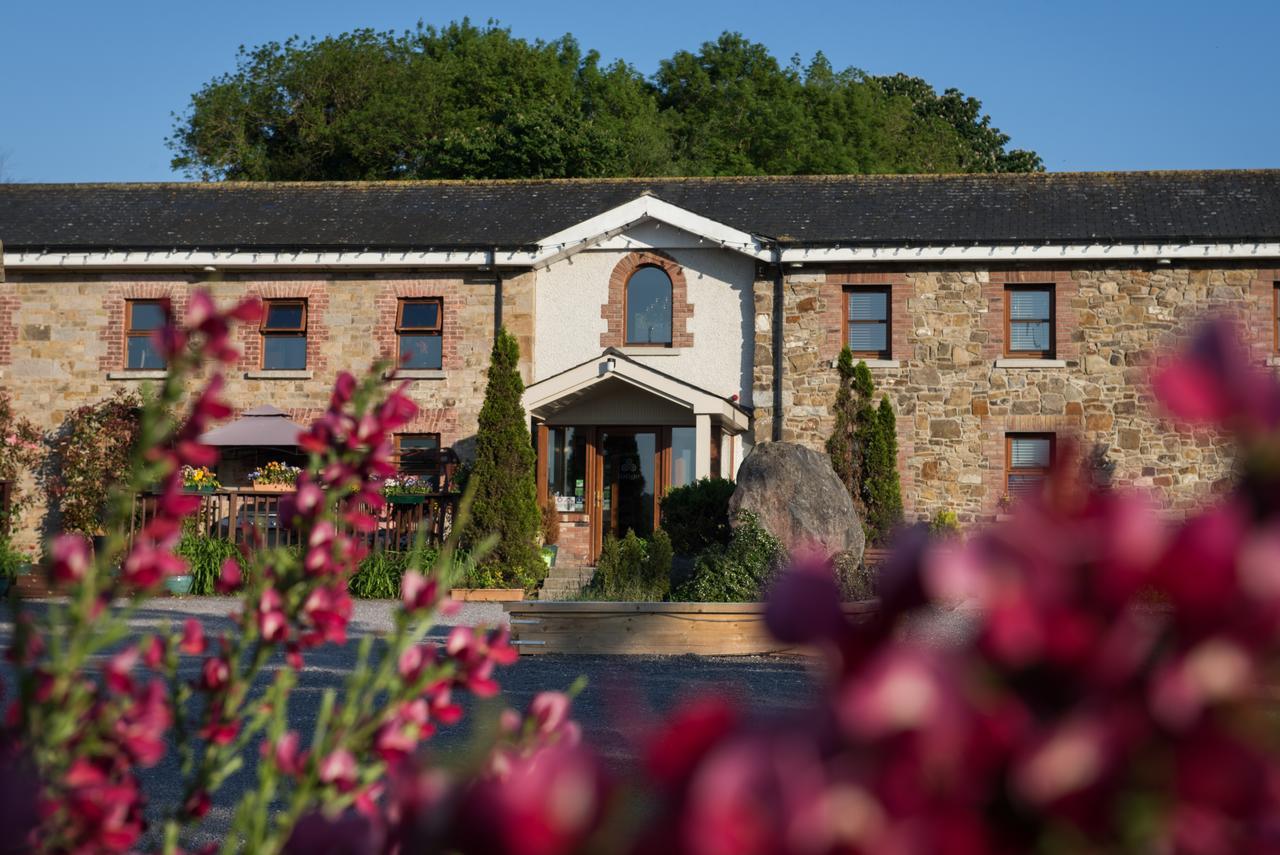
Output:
(629, 472)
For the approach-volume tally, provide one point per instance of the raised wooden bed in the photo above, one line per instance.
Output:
(662, 629)
(486, 595)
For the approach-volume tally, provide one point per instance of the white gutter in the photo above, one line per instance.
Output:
(1029, 252)
(199, 259)
(190, 259)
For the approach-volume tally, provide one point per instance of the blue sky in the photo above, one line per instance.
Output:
(87, 88)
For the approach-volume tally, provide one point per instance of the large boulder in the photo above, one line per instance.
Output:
(798, 499)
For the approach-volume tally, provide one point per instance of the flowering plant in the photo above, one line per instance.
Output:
(87, 713)
(275, 472)
(91, 451)
(406, 485)
(20, 453)
(199, 478)
(1073, 716)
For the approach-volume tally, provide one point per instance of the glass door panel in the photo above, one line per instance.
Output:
(629, 485)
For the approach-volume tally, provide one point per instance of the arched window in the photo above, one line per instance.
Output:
(648, 305)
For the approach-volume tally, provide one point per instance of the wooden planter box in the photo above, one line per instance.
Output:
(648, 629)
(273, 488)
(486, 595)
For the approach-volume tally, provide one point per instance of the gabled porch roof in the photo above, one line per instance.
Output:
(552, 394)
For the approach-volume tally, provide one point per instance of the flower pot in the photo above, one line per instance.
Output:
(273, 488)
(203, 491)
(179, 585)
(407, 499)
(549, 554)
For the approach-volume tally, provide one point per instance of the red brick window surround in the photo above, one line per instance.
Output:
(615, 311)
(1028, 458)
(1063, 329)
(284, 335)
(867, 321)
(116, 302)
(141, 320)
(420, 332)
(647, 307)
(833, 304)
(1030, 321)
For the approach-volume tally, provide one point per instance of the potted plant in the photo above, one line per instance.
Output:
(275, 477)
(179, 585)
(13, 563)
(199, 479)
(406, 489)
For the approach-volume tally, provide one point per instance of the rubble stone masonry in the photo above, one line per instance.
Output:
(955, 399)
(62, 340)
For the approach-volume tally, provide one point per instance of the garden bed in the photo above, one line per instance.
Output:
(486, 595)
(649, 629)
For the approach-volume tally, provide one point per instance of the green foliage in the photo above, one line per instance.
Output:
(475, 102)
(205, 557)
(91, 452)
(633, 569)
(737, 572)
(857, 581)
(945, 523)
(20, 453)
(864, 449)
(378, 577)
(505, 501)
(550, 522)
(12, 560)
(881, 488)
(696, 515)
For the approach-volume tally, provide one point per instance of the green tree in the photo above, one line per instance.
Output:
(476, 102)
(842, 446)
(505, 498)
(881, 489)
(863, 447)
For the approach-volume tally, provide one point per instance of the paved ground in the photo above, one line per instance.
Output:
(619, 688)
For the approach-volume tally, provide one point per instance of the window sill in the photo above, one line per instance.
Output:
(137, 375)
(649, 350)
(883, 364)
(1031, 363)
(416, 374)
(279, 375)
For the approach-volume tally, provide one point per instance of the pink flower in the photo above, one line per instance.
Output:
(231, 577)
(417, 592)
(338, 768)
(804, 603)
(193, 640)
(285, 754)
(71, 558)
(328, 608)
(273, 623)
(142, 727)
(215, 674)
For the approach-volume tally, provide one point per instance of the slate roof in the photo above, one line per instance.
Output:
(847, 210)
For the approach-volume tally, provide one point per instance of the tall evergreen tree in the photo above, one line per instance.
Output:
(842, 446)
(881, 488)
(864, 449)
(505, 501)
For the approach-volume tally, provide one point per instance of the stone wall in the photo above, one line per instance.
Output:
(67, 350)
(955, 402)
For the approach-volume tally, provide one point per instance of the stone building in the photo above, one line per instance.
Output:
(667, 325)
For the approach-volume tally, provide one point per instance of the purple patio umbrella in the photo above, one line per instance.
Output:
(257, 426)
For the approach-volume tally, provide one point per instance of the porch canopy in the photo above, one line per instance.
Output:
(261, 426)
(614, 389)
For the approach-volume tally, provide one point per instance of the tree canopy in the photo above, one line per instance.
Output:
(464, 101)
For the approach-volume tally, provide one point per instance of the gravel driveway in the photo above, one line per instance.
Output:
(620, 690)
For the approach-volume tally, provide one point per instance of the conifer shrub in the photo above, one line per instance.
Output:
(505, 504)
(696, 516)
(863, 448)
